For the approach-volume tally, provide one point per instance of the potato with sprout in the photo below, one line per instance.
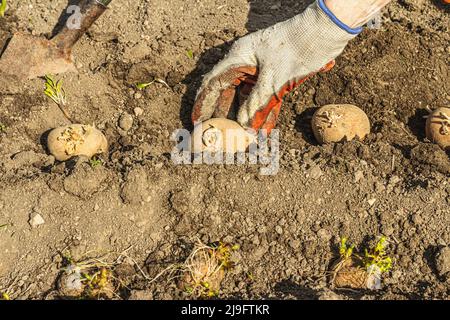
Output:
(438, 127)
(221, 135)
(340, 122)
(76, 140)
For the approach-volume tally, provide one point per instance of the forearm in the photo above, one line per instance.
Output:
(355, 13)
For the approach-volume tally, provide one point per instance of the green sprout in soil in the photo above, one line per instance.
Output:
(3, 7)
(95, 162)
(4, 296)
(344, 250)
(356, 271)
(55, 91)
(144, 85)
(190, 54)
(2, 128)
(91, 278)
(377, 257)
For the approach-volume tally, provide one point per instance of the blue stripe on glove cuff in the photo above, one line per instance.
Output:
(342, 25)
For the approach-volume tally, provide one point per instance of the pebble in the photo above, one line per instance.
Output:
(394, 180)
(126, 122)
(138, 111)
(371, 202)
(37, 220)
(279, 229)
(315, 172)
(359, 175)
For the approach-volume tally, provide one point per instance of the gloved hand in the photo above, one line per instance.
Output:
(269, 63)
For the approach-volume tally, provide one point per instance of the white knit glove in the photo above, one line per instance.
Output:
(269, 63)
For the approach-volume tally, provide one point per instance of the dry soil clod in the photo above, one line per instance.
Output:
(76, 140)
(340, 122)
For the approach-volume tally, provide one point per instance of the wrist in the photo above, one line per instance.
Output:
(354, 13)
(335, 13)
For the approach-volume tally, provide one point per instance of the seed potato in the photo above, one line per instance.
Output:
(340, 122)
(76, 140)
(438, 127)
(221, 135)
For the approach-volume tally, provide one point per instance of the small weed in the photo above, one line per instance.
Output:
(91, 278)
(190, 54)
(377, 257)
(143, 85)
(361, 272)
(344, 250)
(95, 162)
(3, 7)
(4, 225)
(55, 91)
(4, 296)
(2, 128)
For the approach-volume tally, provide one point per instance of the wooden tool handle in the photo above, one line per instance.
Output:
(80, 21)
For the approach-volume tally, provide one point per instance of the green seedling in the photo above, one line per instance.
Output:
(377, 257)
(55, 91)
(2, 128)
(144, 85)
(95, 162)
(4, 225)
(190, 54)
(4, 296)
(357, 271)
(91, 278)
(3, 7)
(344, 250)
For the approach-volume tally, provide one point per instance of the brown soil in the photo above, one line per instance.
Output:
(288, 225)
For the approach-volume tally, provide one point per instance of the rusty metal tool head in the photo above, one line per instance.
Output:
(29, 57)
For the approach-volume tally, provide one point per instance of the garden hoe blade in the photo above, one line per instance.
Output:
(28, 57)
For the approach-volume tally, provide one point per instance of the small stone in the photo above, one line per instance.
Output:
(279, 229)
(394, 180)
(359, 175)
(371, 202)
(443, 261)
(315, 172)
(138, 111)
(126, 122)
(417, 219)
(37, 220)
